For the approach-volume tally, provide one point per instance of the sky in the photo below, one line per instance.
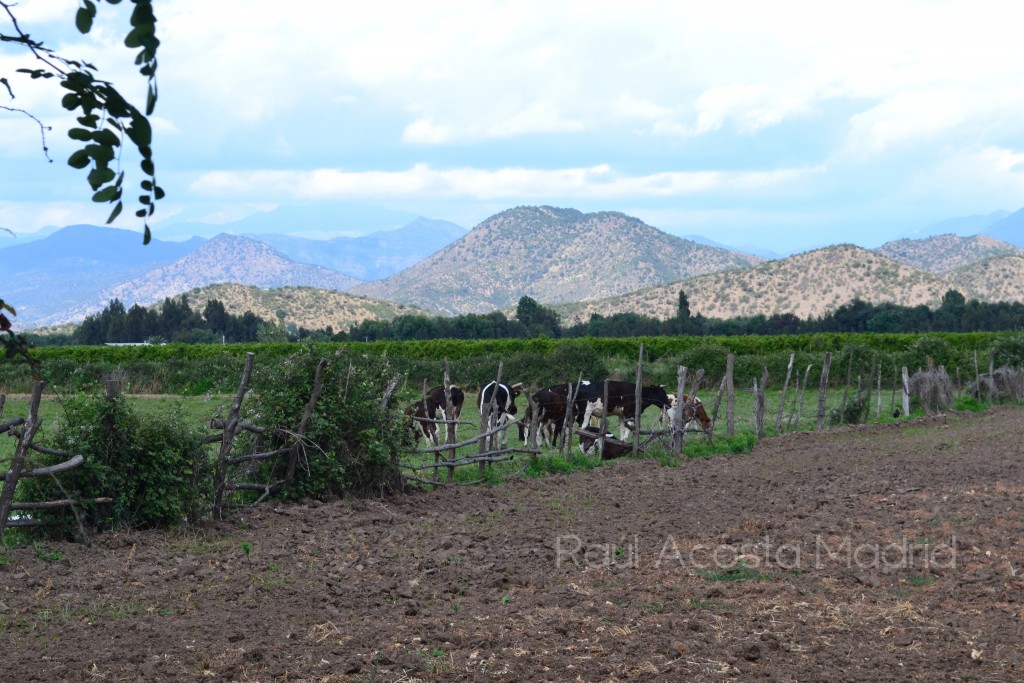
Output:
(787, 125)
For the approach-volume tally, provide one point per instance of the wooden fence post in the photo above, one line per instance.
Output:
(676, 423)
(878, 410)
(906, 391)
(785, 387)
(714, 411)
(32, 425)
(450, 429)
(638, 400)
(823, 390)
(803, 393)
(759, 404)
(730, 398)
(231, 430)
(485, 420)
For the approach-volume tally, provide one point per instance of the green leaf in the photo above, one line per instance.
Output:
(84, 17)
(116, 212)
(151, 100)
(147, 167)
(144, 199)
(146, 236)
(80, 134)
(147, 185)
(107, 194)
(107, 137)
(70, 101)
(79, 159)
(159, 193)
(141, 213)
(100, 176)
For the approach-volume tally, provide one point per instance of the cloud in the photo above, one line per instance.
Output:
(514, 183)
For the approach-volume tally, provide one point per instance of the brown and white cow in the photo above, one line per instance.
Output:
(699, 414)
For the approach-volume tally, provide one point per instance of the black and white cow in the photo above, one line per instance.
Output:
(621, 401)
(458, 398)
(504, 397)
(433, 409)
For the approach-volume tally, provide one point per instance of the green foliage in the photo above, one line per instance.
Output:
(150, 466)
(104, 117)
(1009, 351)
(970, 403)
(352, 442)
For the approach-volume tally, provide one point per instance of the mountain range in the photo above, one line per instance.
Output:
(552, 255)
(581, 263)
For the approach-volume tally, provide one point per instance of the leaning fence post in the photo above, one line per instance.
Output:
(823, 391)
(803, 393)
(785, 388)
(714, 411)
(231, 429)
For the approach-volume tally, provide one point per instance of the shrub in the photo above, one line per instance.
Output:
(150, 466)
(352, 443)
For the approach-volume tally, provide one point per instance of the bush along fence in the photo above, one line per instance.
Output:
(309, 426)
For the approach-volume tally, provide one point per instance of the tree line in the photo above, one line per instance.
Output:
(176, 321)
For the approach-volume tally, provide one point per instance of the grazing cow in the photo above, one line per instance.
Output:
(621, 401)
(458, 398)
(504, 398)
(608, 451)
(433, 409)
(551, 405)
(699, 414)
(422, 410)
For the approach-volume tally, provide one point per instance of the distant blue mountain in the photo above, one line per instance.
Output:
(56, 272)
(319, 220)
(964, 226)
(370, 257)
(1009, 229)
(745, 249)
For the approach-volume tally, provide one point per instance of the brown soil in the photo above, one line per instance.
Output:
(910, 567)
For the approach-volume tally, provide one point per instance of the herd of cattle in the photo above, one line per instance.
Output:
(546, 410)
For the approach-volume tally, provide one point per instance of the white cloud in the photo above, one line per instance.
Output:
(423, 181)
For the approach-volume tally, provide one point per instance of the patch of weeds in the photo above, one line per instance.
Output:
(740, 444)
(5, 559)
(504, 599)
(451, 560)
(924, 540)
(656, 607)
(268, 582)
(969, 403)
(46, 555)
(165, 612)
(246, 548)
(620, 554)
(556, 463)
(456, 607)
(197, 545)
(740, 572)
(273, 567)
(919, 580)
(619, 602)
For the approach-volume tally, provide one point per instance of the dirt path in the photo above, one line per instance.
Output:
(872, 553)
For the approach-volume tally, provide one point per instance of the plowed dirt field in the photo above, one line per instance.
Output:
(859, 554)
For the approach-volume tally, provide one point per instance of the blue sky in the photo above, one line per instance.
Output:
(783, 124)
